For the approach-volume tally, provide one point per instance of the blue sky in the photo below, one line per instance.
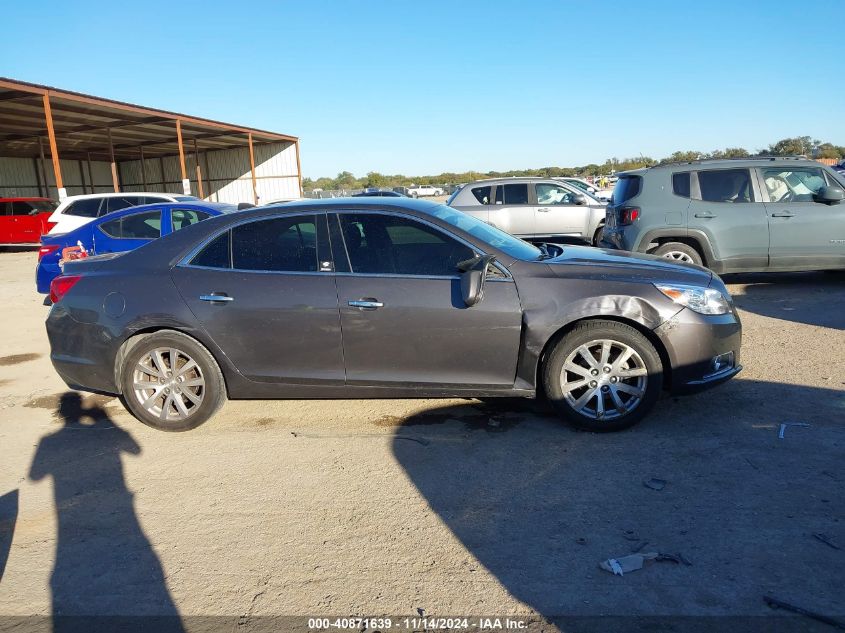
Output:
(425, 87)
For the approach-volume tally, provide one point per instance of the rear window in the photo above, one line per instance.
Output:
(85, 208)
(680, 184)
(483, 194)
(626, 188)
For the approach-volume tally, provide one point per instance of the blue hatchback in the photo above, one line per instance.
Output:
(123, 230)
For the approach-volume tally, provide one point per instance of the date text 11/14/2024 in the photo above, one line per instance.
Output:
(418, 623)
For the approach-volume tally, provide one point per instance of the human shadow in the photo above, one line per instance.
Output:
(106, 573)
(8, 518)
(539, 505)
(814, 298)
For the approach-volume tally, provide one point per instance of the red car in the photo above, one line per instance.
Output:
(24, 220)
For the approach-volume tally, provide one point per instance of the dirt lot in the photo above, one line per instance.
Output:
(452, 507)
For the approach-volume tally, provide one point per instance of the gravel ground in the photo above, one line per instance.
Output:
(384, 507)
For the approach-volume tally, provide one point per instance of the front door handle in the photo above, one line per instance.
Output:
(367, 304)
(783, 214)
(216, 298)
(705, 214)
(544, 210)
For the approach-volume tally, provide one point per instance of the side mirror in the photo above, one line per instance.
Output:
(473, 274)
(830, 195)
(579, 199)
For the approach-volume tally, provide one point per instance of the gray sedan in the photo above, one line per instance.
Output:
(366, 298)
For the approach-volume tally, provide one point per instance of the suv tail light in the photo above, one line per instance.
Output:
(47, 249)
(628, 215)
(60, 286)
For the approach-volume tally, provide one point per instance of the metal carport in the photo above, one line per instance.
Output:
(95, 145)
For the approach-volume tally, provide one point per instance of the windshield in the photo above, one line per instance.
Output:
(496, 238)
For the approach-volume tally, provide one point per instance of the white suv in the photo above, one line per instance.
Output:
(76, 211)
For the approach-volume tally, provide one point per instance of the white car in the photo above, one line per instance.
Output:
(593, 190)
(418, 191)
(76, 211)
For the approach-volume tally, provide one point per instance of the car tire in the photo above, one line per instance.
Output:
(609, 396)
(598, 235)
(160, 399)
(679, 252)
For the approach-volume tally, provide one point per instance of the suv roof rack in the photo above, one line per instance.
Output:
(736, 158)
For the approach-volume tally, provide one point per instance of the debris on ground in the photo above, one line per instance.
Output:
(786, 424)
(632, 562)
(774, 603)
(825, 539)
(654, 483)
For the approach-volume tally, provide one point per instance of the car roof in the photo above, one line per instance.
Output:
(361, 202)
(85, 196)
(217, 207)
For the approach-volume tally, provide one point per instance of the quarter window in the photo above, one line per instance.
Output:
(725, 185)
(382, 244)
(482, 194)
(512, 194)
(139, 226)
(788, 185)
(85, 208)
(680, 184)
(286, 244)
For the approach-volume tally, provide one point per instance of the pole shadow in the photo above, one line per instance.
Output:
(106, 573)
(539, 505)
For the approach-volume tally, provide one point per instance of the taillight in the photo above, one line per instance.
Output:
(47, 249)
(60, 286)
(628, 215)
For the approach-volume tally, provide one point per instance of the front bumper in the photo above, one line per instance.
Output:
(699, 348)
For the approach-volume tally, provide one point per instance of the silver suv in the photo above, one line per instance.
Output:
(533, 208)
(732, 215)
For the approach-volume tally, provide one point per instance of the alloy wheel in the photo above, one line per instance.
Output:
(679, 256)
(604, 379)
(168, 383)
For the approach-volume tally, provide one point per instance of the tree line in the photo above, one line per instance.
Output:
(797, 146)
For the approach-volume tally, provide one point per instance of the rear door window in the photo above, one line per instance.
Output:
(85, 208)
(21, 208)
(627, 187)
(138, 226)
(277, 244)
(116, 203)
(726, 185)
(512, 194)
(680, 184)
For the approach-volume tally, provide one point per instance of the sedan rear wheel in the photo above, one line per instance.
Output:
(170, 382)
(603, 376)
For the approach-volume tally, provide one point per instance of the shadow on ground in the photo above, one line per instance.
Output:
(814, 298)
(539, 505)
(105, 565)
(8, 518)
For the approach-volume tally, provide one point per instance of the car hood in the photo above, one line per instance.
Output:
(612, 263)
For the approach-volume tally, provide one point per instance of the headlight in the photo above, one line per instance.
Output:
(696, 298)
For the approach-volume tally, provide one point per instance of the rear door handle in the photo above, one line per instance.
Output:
(367, 304)
(544, 210)
(783, 214)
(705, 214)
(216, 298)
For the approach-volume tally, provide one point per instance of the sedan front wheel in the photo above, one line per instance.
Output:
(603, 376)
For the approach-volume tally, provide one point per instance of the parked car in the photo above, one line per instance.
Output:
(533, 208)
(379, 193)
(120, 231)
(74, 211)
(24, 220)
(840, 167)
(732, 215)
(419, 191)
(593, 190)
(385, 298)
